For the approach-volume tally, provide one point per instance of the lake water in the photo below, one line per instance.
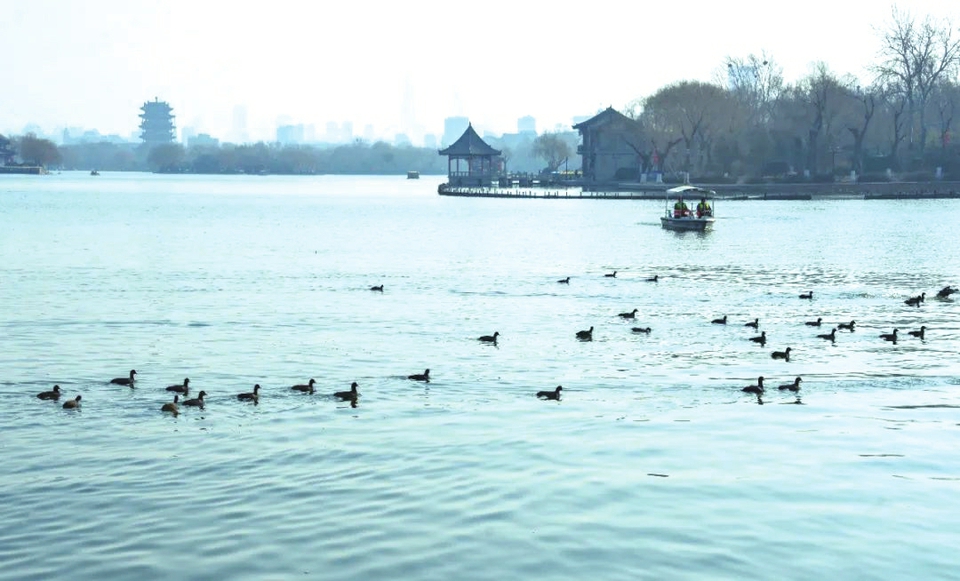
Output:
(654, 464)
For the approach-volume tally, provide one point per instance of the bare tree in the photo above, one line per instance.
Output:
(662, 136)
(552, 148)
(893, 110)
(757, 82)
(945, 105)
(757, 87)
(826, 100)
(38, 151)
(914, 57)
(691, 110)
(867, 103)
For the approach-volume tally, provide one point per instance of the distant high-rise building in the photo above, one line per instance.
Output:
(203, 140)
(430, 141)
(453, 128)
(368, 133)
(290, 134)
(186, 134)
(526, 124)
(332, 134)
(346, 132)
(156, 122)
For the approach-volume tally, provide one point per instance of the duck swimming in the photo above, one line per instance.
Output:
(348, 395)
(555, 394)
(72, 404)
(762, 339)
(918, 333)
(308, 388)
(814, 323)
(183, 388)
(795, 386)
(915, 301)
(378, 288)
(630, 315)
(785, 355)
(640, 330)
(55, 394)
(585, 335)
(757, 389)
(250, 395)
(171, 406)
(721, 321)
(611, 274)
(889, 336)
(753, 324)
(831, 336)
(425, 376)
(946, 291)
(654, 278)
(806, 295)
(489, 338)
(847, 326)
(196, 402)
(124, 380)
(564, 280)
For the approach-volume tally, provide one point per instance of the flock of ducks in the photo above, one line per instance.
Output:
(174, 407)
(758, 388)
(352, 395)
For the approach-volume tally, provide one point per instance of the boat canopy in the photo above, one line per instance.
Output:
(684, 189)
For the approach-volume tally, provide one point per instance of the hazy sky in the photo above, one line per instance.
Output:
(93, 63)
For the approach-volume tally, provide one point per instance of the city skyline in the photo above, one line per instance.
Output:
(236, 73)
(288, 132)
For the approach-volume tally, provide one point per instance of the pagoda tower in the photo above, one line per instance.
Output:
(156, 122)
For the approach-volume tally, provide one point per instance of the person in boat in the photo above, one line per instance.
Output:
(704, 209)
(680, 209)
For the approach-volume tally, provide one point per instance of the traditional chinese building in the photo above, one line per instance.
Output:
(156, 122)
(610, 147)
(472, 162)
(6, 151)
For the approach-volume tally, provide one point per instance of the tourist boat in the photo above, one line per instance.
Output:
(413, 175)
(94, 172)
(689, 222)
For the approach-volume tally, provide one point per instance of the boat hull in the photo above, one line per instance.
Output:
(685, 224)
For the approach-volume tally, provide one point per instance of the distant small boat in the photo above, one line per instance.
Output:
(413, 175)
(681, 220)
(94, 172)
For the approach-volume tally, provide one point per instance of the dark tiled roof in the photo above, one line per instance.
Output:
(604, 116)
(469, 144)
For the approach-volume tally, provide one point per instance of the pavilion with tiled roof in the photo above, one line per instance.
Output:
(471, 161)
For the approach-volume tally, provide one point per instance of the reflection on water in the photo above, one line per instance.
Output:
(233, 282)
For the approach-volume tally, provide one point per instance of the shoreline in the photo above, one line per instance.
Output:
(774, 192)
